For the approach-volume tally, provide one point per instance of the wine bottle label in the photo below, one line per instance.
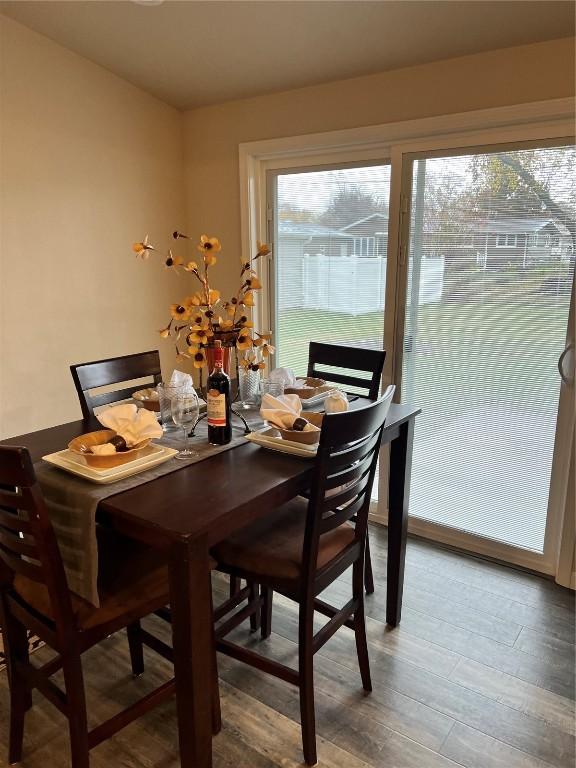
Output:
(216, 408)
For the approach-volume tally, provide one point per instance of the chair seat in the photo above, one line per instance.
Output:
(272, 547)
(131, 577)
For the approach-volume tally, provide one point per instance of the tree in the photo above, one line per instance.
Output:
(351, 203)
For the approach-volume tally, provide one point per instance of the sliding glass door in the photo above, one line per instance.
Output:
(330, 256)
(492, 240)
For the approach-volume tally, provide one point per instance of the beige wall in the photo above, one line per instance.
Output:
(498, 78)
(88, 164)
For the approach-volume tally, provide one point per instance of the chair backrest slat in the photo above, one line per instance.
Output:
(17, 544)
(347, 475)
(348, 492)
(350, 453)
(368, 361)
(12, 521)
(115, 370)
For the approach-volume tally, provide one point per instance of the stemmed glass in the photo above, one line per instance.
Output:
(185, 411)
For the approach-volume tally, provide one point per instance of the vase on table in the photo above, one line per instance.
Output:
(249, 387)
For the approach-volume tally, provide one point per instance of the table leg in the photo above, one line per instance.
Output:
(192, 639)
(398, 497)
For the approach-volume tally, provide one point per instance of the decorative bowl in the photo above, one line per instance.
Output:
(147, 398)
(308, 438)
(81, 446)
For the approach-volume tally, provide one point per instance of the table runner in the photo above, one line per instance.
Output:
(72, 502)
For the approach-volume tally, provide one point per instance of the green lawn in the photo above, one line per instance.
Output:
(466, 353)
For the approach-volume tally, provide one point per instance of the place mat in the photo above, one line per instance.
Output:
(72, 502)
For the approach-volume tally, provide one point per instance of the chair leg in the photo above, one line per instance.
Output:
(216, 712)
(360, 625)
(368, 575)
(234, 585)
(266, 618)
(306, 681)
(136, 648)
(16, 639)
(254, 617)
(77, 720)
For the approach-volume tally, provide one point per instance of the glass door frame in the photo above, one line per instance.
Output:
(544, 562)
(495, 127)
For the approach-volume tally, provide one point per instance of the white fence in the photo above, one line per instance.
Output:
(352, 285)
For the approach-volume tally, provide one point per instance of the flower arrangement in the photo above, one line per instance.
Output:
(203, 316)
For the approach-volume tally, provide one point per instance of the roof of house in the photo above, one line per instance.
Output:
(509, 225)
(306, 229)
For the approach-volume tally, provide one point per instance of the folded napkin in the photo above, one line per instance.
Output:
(132, 423)
(336, 402)
(283, 410)
(182, 381)
(287, 377)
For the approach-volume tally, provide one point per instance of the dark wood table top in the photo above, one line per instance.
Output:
(213, 497)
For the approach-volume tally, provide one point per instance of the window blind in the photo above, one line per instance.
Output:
(491, 269)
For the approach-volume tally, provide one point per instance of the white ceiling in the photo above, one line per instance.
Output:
(192, 53)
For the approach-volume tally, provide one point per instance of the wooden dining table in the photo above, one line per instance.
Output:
(190, 510)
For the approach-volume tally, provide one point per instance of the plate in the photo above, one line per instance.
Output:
(150, 457)
(269, 438)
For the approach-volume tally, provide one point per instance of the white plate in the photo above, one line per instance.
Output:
(270, 438)
(151, 456)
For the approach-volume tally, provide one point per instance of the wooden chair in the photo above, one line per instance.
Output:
(34, 595)
(116, 370)
(370, 361)
(305, 546)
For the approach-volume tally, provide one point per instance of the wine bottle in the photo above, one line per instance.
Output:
(218, 401)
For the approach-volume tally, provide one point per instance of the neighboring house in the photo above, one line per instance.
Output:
(491, 243)
(497, 242)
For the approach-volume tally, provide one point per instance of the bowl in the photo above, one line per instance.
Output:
(147, 398)
(81, 446)
(311, 388)
(307, 438)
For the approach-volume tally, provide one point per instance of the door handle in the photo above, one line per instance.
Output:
(568, 380)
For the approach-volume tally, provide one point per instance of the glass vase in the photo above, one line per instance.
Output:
(249, 387)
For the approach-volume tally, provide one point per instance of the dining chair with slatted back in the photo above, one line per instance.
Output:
(34, 596)
(115, 370)
(348, 358)
(307, 545)
(369, 362)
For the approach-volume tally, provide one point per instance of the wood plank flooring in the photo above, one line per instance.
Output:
(479, 674)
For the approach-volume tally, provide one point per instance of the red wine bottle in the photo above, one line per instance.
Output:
(218, 400)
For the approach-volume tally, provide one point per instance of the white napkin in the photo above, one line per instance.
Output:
(336, 402)
(132, 423)
(182, 380)
(281, 411)
(287, 377)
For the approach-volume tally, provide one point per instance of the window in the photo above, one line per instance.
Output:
(506, 241)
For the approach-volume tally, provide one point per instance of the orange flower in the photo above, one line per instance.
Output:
(263, 249)
(208, 244)
(199, 359)
(191, 267)
(244, 340)
(172, 261)
(179, 311)
(142, 248)
(248, 299)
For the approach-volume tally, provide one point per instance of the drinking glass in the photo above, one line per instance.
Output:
(185, 414)
(165, 394)
(274, 388)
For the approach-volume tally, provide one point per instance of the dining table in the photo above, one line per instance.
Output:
(188, 511)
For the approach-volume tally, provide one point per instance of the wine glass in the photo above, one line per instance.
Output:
(185, 411)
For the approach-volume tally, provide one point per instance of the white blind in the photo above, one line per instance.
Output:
(330, 260)
(491, 267)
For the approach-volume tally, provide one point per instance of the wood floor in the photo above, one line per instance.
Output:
(479, 674)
